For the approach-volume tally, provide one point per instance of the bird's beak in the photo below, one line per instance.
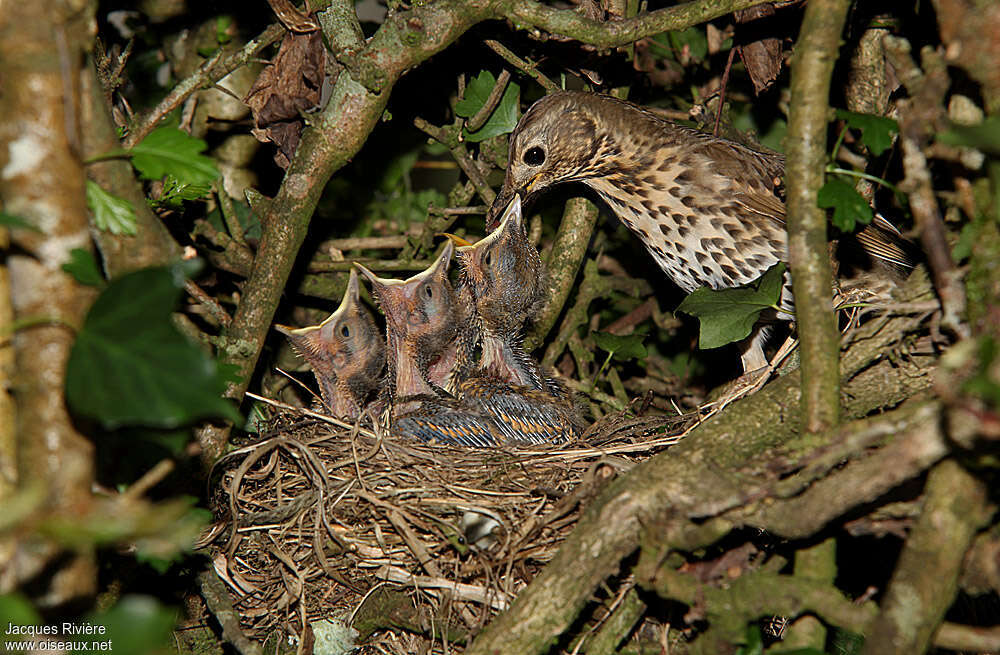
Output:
(397, 297)
(312, 338)
(455, 239)
(510, 218)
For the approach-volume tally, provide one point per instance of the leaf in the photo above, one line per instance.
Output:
(136, 625)
(18, 610)
(12, 220)
(694, 38)
(176, 192)
(876, 131)
(504, 116)
(170, 151)
(754, 642)
(985, 136)
(131, 366)
(623, 348)
(111, 213)
(849, 206)
(83, 267)
(728, 315)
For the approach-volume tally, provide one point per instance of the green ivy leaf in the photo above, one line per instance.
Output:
(170, 151)
(985, 136)
(504, 117)
(849, 207)
(876, 131)
(728, 315)
(111, 213)
(136, 625)
(622, 348)
(83, 267)
(131, 366)
(18, 610)
(12, 220)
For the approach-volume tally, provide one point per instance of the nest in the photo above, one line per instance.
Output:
(317, 517)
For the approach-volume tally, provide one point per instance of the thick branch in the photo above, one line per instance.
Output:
(926, 578)
(42, 47)
(815, 55)
(563, 264)
(695, 478)
(615, 33)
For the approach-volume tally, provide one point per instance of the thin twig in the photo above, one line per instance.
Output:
(458, 150)
(373, 264)
(215, 310)
(480, 117)
(211, 71)
(311, 414)
(529, 69)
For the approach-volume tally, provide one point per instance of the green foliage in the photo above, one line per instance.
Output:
(621, 348)
(11, 220)
(504, 117)
(16, 609)
(753, 644)
(136, 625)
(83, 267)
(170, 151)
(131, 366)
(162, 549)
(876, 131)
(246, 217)
(671, 45)
(849, 207)
(984, 136)
(693, 38)
(728, 315)
(111, 213)
(845, 642)
(176, 192)
(983, 383)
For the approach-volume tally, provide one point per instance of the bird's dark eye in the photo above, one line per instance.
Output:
(488, 259)
(345, 331)
(428, 292)
(534, 156)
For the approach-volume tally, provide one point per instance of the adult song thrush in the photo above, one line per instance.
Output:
(346, 352)
(709, 210)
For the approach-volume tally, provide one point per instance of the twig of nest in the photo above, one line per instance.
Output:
(314, 517)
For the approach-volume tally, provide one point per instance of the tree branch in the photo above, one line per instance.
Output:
(615, 33)
(812, 279)
(562, 265)
(41, 60)
(696, 478)
(956, 505)
(207, 74)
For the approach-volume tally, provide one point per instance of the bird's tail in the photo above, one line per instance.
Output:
(883, 242)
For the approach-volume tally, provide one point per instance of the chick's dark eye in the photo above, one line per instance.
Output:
(428, 292)
(534, 156)
(345, 331)
(488, 259)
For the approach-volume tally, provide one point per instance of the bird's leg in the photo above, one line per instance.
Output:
(752, 350)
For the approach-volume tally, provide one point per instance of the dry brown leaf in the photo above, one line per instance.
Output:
(291, 84)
